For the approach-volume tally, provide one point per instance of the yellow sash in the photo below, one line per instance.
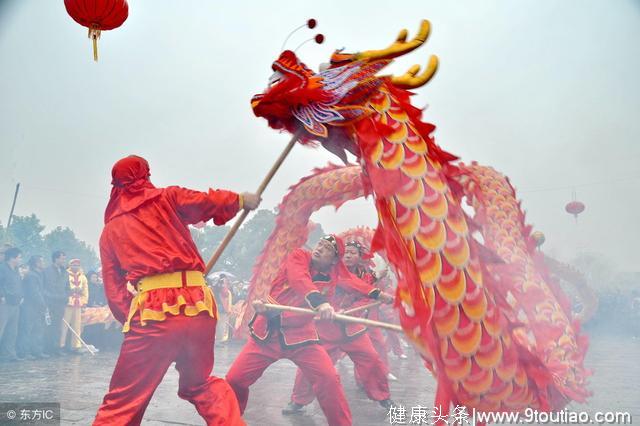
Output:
(178, 279)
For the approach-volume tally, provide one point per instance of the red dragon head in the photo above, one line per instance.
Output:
(292, 85)
(322, 106)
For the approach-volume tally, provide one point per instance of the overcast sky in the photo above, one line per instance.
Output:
(545, 91)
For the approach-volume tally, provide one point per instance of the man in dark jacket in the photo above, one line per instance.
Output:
(10, 300)
(30, 342)
(56, 296)
(96, 290)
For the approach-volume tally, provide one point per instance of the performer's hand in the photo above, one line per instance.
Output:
(385, 298)
(258, 306)
(326, 311)
(250, 201)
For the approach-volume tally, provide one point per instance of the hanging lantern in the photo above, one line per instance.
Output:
(97, 16)
(539, 238)
(574, 208)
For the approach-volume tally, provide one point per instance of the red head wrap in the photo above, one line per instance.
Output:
(131, 186)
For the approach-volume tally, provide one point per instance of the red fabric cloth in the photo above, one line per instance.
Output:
(367, 365)
(294, 286)
(299, 284)
(146, 354)
(350, 292)
(131, 186)
(314, 362)
(147, 234)
(393, 342)
(379, 342)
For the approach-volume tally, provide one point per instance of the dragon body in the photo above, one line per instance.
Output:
(449, 299)
(535, 299)
(324, 187)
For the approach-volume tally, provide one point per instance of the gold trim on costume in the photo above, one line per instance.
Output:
(171, 280)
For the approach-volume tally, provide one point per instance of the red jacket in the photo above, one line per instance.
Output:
(356, 291)
(297, 284)
(153, 238)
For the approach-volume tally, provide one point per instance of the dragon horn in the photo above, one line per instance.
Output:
(400, 46)
(410, 79)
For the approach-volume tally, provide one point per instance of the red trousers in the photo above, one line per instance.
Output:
(380, 345)
(367, 364)
(311, 359)
(393, 340)
(146, 354)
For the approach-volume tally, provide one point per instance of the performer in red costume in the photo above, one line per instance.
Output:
(350, 339)
(172, 318)
(358, 260)
(306, 279)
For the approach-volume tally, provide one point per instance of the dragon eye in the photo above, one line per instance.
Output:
(275, 78)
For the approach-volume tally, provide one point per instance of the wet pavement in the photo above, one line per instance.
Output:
(79, 382)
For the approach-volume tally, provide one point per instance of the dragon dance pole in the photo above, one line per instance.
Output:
(232, 232)
(78, 336)
(337, 317)
(360, 308)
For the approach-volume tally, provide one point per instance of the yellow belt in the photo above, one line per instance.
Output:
(171, 280)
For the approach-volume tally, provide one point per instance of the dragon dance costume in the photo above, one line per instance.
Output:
(497, 335)
(352, 340)
(172, 318)
(295, 337)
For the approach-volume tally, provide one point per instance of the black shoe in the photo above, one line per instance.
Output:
(292, 408)
(386, 404)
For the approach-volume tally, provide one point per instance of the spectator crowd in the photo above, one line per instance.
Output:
(41, 305)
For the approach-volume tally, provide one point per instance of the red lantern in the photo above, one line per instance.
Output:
(575, 208)
(98, 15)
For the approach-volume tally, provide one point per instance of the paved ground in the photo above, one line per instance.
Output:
(79, 383)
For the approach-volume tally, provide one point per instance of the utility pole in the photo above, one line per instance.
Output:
(13, 205)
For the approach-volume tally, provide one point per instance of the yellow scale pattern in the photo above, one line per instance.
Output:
(477, 353)
(502, 227)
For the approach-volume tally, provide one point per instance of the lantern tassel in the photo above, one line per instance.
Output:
(94, 35)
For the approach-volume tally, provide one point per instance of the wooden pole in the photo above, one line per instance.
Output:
(13, 205)
(360, 308)
(337, 317)
(78, 336)
(232, 232)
